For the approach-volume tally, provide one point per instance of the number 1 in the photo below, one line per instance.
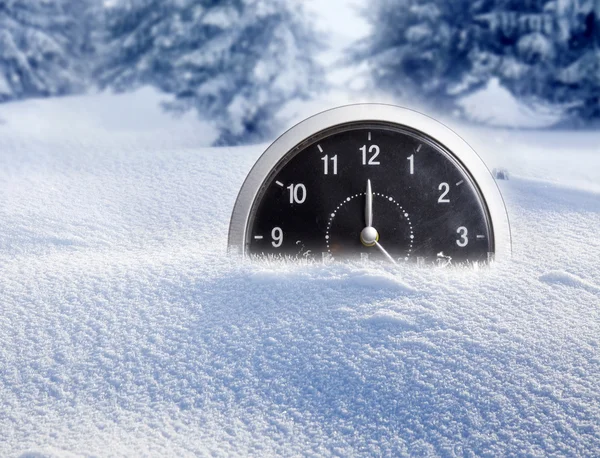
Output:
(411, 160)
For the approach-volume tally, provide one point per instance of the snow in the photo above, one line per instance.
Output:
(135, 118)
(568, 279)
(126, 330)
(494, 105)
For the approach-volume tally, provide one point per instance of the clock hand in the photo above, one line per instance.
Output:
(369, 206)
(369, 235)
(385, 253)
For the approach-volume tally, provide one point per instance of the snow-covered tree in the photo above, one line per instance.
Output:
(237, 62)
(548, 50)
(541, 50)
(524, 40)
(41, 48)
(578, 80)
(442, 50)
(424, 47)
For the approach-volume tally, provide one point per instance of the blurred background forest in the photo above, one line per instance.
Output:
(241, 64)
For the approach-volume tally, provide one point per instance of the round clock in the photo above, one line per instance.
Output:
(374, 182)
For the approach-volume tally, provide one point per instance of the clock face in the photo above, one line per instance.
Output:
(368, 189)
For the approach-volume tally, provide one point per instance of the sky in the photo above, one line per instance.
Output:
(349, 25)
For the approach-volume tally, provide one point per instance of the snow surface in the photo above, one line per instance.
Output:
(494, 105)
(125, 329)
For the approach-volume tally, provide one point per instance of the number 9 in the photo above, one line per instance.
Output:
(277, 236)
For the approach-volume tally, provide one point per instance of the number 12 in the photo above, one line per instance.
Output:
(374, 150)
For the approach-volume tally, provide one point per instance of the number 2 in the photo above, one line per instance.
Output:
(445, 188)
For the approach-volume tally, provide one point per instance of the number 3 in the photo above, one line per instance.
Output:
(464, 240)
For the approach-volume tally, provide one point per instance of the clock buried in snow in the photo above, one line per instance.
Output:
(374, 182)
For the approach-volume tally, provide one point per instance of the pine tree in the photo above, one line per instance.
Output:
(549, 50)
(40, 49)
(425, 47)
(540, 50)
(236, 62)
(523, 38)
(578, 80)
(136, 36)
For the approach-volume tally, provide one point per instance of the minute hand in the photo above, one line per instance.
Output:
(369, 206)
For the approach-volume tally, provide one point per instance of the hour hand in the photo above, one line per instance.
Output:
(385, 253)
(369, 206)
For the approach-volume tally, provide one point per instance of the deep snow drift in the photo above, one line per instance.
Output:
(126, 330)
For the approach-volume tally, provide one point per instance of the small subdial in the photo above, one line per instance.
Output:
(385, 234)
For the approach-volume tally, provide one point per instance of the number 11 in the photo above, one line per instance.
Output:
(326, 160)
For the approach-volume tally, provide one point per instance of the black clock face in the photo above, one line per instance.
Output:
(374, 191)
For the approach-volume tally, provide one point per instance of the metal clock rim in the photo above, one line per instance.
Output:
(372, 112)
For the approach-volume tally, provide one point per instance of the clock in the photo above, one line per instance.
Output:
(372, 182)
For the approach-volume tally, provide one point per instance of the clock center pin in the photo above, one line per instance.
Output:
(369, 236)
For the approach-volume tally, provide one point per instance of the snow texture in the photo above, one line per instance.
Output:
(126, 330)
(494, 105)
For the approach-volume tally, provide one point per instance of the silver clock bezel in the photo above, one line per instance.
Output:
(370, 112)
